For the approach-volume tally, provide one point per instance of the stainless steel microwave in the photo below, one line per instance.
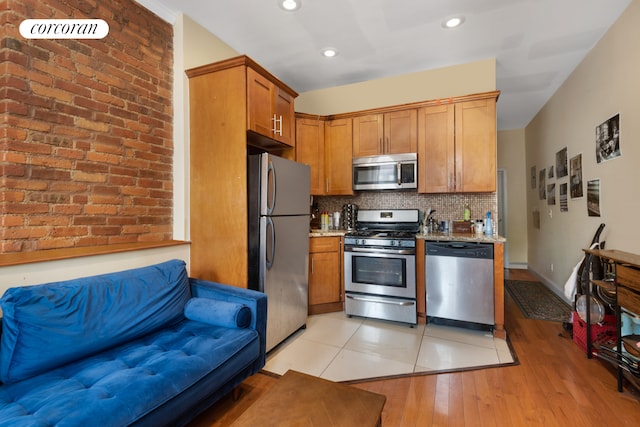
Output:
(390, 172)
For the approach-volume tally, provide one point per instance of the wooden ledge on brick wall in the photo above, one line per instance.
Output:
(17, 258)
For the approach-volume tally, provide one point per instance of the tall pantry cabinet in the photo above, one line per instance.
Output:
(223, 131)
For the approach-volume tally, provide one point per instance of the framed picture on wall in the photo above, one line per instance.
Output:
(608, 139)
(564, 205)
(541, 185)
(551, 194)
(576, 176)
(562, 169)
(593, 197)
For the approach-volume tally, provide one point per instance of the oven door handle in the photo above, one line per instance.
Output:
(382, 251)
(400, 303)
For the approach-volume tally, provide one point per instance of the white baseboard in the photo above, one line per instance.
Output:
(518, 265)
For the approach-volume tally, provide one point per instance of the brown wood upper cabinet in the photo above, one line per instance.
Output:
(310, 150)
(338, 160)
(325, 145)
(388, 133)
(457, 147)
(271, 109)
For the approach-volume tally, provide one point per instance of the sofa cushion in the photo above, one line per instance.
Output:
(221, 313)
(46, 326)
(123, 384)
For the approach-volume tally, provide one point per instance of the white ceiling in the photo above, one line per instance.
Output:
(536, 43)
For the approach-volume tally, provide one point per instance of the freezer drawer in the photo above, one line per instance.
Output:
(377, 307)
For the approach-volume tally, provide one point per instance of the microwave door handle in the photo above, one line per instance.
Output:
(399, 174)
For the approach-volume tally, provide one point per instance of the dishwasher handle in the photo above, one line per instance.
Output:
(460, 249)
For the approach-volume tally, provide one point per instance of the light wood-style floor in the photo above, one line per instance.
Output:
(554, 385)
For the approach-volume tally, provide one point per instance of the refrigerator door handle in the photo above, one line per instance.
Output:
(271, 188)
(271, 243)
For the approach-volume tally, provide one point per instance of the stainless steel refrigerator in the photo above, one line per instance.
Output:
(279, 198)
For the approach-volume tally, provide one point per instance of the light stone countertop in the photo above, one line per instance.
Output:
(316, 232)
(442, 237)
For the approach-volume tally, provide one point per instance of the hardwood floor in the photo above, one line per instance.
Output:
(554, 385)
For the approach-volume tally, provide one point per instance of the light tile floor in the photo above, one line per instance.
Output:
(339, 348)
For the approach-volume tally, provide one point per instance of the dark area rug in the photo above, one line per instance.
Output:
(536, 301)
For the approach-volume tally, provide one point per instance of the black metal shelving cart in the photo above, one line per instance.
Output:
(626, 286)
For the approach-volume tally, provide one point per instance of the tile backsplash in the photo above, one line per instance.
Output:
(447, 206)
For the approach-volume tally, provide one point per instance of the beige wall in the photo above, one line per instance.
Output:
(200, 47)
(604, 84)
(465, 79)
(511, 158)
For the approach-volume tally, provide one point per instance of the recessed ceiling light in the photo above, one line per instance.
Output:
(290, 5)
(453, 22)
(329, 52)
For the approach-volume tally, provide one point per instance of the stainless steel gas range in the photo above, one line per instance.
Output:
(380, 265)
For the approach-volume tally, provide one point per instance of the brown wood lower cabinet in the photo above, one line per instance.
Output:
(325, 275)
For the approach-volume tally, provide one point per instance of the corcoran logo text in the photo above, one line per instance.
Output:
(64, 28)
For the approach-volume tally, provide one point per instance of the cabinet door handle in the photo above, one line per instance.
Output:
(381, 145)
(388, 145)
(275, 129)
(312, 264)
(276, 121)
(326, 185)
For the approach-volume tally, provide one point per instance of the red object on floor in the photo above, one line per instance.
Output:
(600, 332)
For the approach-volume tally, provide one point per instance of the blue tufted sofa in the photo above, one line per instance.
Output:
(147, 346)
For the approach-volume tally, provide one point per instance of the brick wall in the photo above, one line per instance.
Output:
(85, 128)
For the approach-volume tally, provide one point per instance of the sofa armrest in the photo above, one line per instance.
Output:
(256, 301)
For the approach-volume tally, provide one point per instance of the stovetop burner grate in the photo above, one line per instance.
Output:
(387, 223)
(388, 234)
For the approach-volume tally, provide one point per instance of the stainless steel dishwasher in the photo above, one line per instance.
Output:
(459, 283)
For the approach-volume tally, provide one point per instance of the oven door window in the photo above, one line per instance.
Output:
(379, 271)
